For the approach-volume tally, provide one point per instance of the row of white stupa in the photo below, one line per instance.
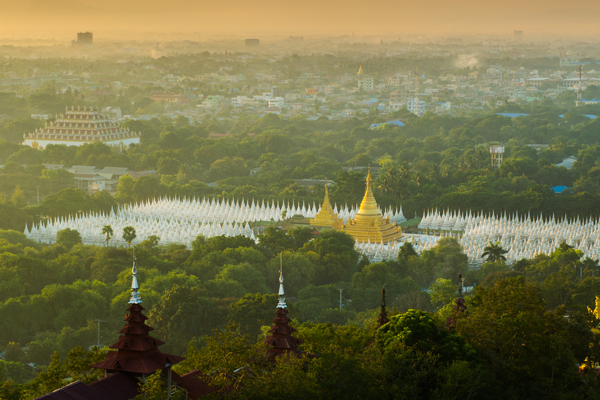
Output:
(521, 236)
(182, 220)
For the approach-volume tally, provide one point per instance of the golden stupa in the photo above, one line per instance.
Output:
(326, 216)
(369, 224)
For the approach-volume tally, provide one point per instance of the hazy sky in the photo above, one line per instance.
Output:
(309, 17)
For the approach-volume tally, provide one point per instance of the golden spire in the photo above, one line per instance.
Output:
(368, 208)
(326, 216)
(360, 71)
(369, 224)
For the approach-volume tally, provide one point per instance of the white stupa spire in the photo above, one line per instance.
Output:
(281, 303)
(135, 288)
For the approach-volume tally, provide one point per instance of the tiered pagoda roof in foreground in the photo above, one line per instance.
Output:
(78, 126)
(383, 318)
(137, 351)
(280, 339)
(137, 356)
(459, 305)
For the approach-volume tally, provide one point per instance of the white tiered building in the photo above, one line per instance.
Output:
(81, 125)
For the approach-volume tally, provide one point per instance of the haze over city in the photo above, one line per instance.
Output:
(314, 200)
(234, 18)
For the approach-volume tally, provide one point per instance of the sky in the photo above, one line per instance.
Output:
(239, 18)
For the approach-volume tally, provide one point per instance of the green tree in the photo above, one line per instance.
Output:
(445, 260)
(442, 292)
(68, 237)
(129, 234)
(275, 239)
(107, 231)
(494, 252)
(505, 327)
(181, 314)
(18, 198)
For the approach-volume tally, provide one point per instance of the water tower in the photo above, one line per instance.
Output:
(497, 153)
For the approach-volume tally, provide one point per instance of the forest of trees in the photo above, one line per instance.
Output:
(526, 330)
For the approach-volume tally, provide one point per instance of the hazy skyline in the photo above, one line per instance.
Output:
(233, 18)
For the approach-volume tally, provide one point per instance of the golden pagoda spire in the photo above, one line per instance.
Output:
(369, 224)
(368, 207)
(326, 216)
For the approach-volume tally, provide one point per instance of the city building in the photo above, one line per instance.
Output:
(79, 126)
(252, 42)
(367, 84)
(415, 106)
(277, 102)
(83, 39)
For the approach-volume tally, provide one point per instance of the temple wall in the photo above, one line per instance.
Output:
(42, 143)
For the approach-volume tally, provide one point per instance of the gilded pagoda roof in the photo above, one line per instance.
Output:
(369, 224)
(326, 216)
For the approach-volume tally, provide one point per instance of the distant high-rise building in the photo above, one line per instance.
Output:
(519, 34)
(252, 42)
(83, 39)
(296, 39)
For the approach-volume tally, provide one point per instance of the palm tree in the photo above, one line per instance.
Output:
(494, 252)
(107, 231)
(129, 234)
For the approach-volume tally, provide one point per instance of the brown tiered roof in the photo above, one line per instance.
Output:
(82, 124)
(280, 337)
(459, 305)
(383, 318)
(137, 354)
(137, 351)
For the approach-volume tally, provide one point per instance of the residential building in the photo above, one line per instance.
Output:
(367, 84)
(277, 102)
(416, 106)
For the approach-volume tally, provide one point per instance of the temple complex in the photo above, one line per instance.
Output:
(369, 225)
(78, 126)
